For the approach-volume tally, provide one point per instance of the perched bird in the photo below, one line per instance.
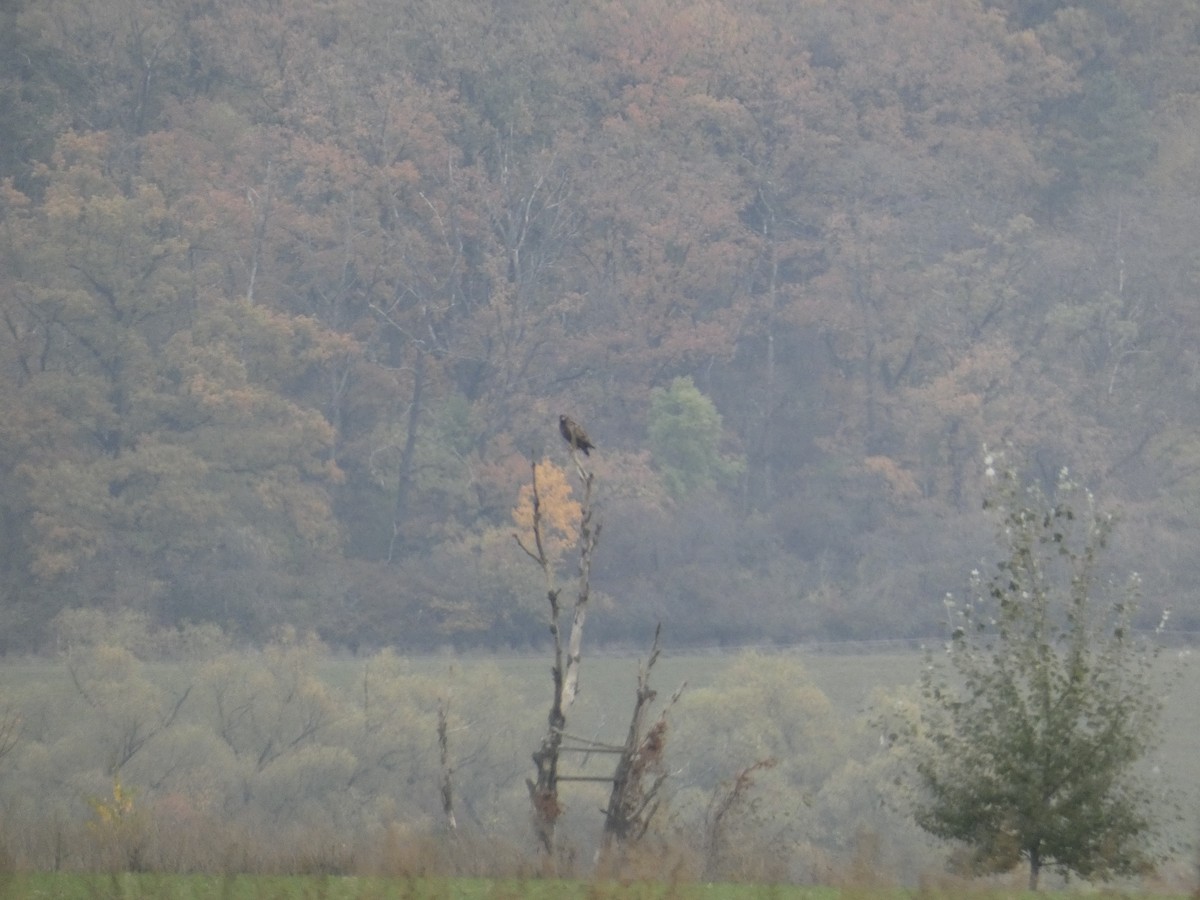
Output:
(574, 434)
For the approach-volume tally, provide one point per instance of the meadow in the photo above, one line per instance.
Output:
(851, 676)
(817, 819)
(242, 887)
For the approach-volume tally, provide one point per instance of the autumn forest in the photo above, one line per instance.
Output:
(293, 291)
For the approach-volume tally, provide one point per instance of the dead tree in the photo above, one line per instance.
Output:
(543, 791)
(640, 772)
(728, 798)
(446, 784)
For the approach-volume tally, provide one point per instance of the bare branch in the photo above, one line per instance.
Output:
(446, 787)
(640, 772)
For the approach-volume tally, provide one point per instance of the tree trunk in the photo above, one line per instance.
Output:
(447, 771)
(1035, 867)
(408, 455)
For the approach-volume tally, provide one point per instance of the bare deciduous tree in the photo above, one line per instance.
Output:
(640, 772)
(446, 780)
(543, 791)
(728, 799)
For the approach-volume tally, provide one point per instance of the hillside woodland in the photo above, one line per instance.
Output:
(291, 292)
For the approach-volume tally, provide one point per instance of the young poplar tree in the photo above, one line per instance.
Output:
(1033, 721)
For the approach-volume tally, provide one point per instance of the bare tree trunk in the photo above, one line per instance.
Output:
(768, 407)
(727, 799)
(587, 543)
(447, 771)
(404, 478)
(263, 203)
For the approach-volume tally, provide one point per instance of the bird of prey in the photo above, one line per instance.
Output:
(574, 434)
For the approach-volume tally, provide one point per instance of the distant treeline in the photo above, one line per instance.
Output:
(290, 294)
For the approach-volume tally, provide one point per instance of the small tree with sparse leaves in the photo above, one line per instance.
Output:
(1044, 701)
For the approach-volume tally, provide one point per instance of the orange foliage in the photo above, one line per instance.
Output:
(559, 512)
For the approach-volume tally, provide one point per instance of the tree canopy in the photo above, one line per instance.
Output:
(289, 293)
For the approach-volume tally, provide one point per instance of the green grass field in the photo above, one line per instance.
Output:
(241, 887)
(607, 687)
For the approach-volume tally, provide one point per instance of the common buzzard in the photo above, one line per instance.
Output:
(574, 434)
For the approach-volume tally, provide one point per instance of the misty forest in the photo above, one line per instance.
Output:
(293, 293)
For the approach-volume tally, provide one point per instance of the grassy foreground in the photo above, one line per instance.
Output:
(262, 887)
(295, 887)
